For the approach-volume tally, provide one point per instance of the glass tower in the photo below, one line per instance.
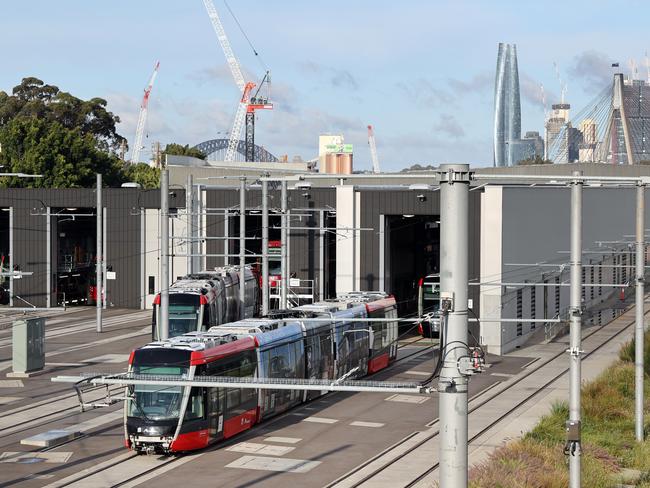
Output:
(507, 106)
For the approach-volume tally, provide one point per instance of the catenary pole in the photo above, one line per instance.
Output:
(242, 247)
(283, 247)
(265, 247)
(189, 205)
(574, 423)
(638, 326)
(99, 258)
(452, 385)
(164, 255)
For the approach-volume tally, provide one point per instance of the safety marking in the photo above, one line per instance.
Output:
(39, 476)
(417, 373)
(503, 375)
(7, 400)
(11, 384)
(320, 420)
(274, 464)
(255, 448)
(35, 457)
(109, 358)
(66, 365)
(406, 398)
(367, 424)
(283, 440)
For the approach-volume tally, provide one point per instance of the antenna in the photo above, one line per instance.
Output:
(563, 86)
(543, 100)
(647, 65)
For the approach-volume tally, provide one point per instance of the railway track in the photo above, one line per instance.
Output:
(351, 480)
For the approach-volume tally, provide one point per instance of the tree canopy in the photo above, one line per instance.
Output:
(533, 161)
(180, 150)
(46, 131)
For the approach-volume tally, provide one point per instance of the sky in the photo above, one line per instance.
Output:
(421, 72)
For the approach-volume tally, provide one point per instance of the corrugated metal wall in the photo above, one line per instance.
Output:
(122, 237)
(405, 202)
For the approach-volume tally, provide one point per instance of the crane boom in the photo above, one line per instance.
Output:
(142, 118)
(373, 150)
(235, 69)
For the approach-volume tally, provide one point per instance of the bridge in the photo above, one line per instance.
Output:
(215, 150)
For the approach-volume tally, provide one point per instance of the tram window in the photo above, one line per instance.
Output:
(233, 398)
(195, 405)
(152, 285)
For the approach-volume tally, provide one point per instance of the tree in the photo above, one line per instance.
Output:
(535, 160)
(174, 149)
(147, 176)
(46, 131)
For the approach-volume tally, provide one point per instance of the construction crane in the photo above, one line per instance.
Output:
(142, 119)
(373, 150)
(247, 105)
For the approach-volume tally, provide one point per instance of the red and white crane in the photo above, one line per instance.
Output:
(373, 150)
(142, 119)
(247, 106)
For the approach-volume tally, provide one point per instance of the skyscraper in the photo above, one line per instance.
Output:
(507, 106)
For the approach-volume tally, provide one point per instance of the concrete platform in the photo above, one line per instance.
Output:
(51, 438)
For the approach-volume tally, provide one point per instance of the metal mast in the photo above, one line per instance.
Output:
(373, 150)
(142, 119)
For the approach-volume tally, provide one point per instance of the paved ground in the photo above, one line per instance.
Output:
(340, 440)
(311, 445)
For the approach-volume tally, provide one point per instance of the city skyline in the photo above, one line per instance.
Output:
(428, 91)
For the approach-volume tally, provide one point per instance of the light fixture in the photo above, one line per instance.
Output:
(420, 187)
(302, 185)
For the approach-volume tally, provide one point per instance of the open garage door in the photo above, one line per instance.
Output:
(412, 251)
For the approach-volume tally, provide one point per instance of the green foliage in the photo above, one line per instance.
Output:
(180, 150)
(147, 176)
(533, 161)
(627, 353)
(608, 438)
(49, 132)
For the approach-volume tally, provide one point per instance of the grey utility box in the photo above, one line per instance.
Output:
(28, 352)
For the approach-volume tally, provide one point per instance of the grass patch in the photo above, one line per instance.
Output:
(608, 441)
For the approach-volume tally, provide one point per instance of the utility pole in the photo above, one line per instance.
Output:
(189, 206)
(99, 258)
(452, 384)
(164, 254)
(639, 341)
(283, 247)
(265, 247)
(573, 425)
(242, 247)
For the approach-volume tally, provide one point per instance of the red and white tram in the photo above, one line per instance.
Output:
(316, 341)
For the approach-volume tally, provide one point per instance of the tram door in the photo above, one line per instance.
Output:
(216, 403)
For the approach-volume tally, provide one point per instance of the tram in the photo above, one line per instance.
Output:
(202, 300)
(317, 341)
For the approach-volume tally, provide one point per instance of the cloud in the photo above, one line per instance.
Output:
(338, 78)
(593, 69)
(479, 83)
(425, 93)
(447, 124)
(218, 73)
